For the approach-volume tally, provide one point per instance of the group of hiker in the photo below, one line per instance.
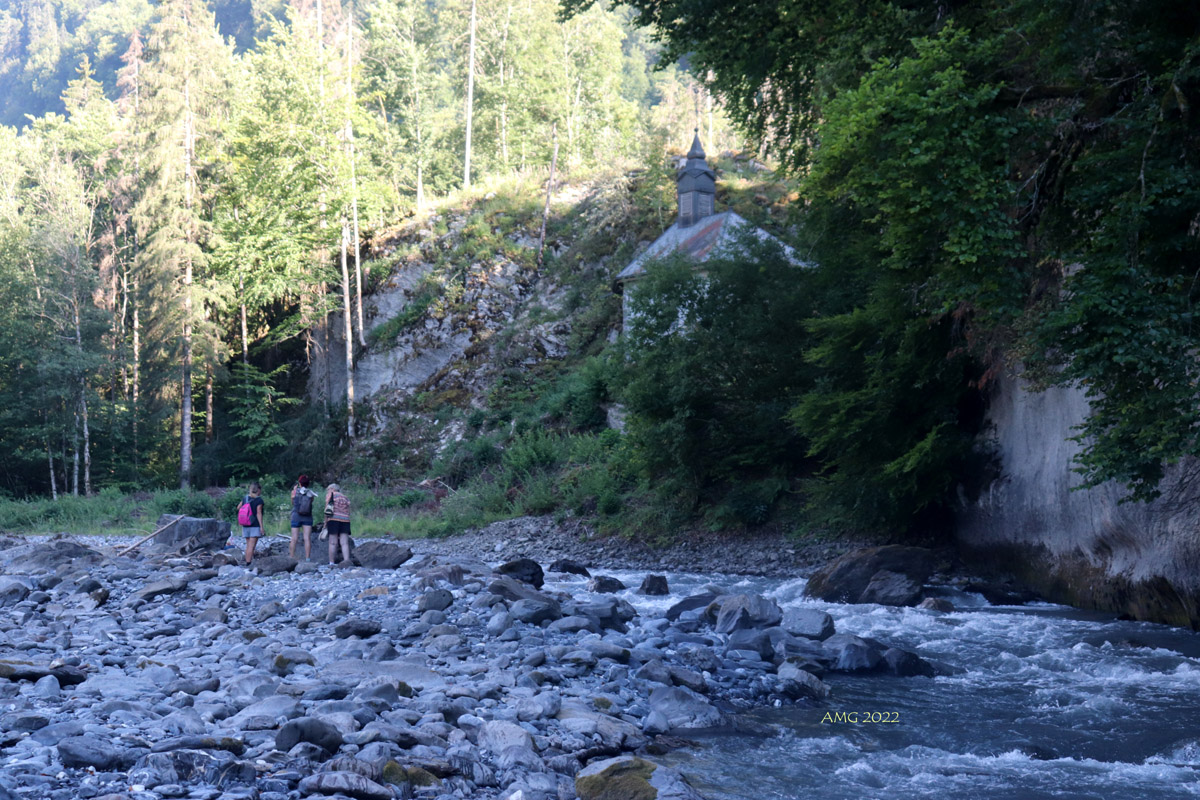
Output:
(336, 519)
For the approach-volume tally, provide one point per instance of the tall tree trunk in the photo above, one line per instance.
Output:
(136, 358)
(50, 461)
(504, 90)
(362, 336)
(323, 291)
(83, 407)
(420, 140)
(549, 190)
(75, 455)
(185, 405)
(349, 332)
(245, 328)
(470, 101)
(208, 421)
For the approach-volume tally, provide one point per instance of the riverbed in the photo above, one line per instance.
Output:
(1047, 702)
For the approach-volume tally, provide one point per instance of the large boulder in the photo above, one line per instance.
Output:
(274, 565)
(218, 768)
(683, 708)
(381, 555)
(345, 784)
(90, 751)
(810, 623)
(853, 653)
(631, 778)
(47, 557)
(736, 612)
(690, 603)
(308, 729)
(189, 534)
(13, 591)
(524, 569)
(889, 588)
(846, 580)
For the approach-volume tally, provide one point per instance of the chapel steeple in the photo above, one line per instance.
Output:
(696, 186)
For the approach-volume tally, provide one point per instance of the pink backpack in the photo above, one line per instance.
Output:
(246, 514)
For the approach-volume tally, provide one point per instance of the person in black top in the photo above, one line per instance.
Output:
(254, 530)
(302, 516)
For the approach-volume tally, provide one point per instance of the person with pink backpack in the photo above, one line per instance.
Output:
(250, 517)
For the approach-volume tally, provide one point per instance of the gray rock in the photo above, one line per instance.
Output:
(891, 589)
(754, 641)
(23, 721)
(190, 534)
(435, 600)
(499, 623)
(570, 567)
(159, 588)
(350, 784)
(575, 624)
(690, 603)
(605, 584)
(267, 610)
(311, 730)
(654, 585)
(47, 557)
(798, 683)
(741, 611)
(55, 732)
(683, 708)
(535, 611)
(266, 713)
(47, 688)
(810, 623)
(845, 579)
(274, 565)
(219, 768)
(906, 664)
(381, 555)
(939, 604)
(499, 735)
(357, 626)
(287, 659)
(89, 751)
(525, 570)
(631, 777)
(13, 591)
(852, 653)
(655, 672)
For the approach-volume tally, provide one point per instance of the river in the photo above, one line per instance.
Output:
(1046, 702)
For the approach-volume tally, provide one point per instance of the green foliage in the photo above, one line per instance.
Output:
(186, 502)
(256, 406)
(712, 363)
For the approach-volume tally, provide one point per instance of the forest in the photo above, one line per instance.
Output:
(980, 188)
(186, 187)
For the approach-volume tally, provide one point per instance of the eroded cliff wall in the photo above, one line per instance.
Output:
(1079, 546)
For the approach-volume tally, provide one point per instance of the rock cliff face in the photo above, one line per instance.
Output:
(1082, 547)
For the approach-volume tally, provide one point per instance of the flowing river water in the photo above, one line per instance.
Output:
(1046, 702)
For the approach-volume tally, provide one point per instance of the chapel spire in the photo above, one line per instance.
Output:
(696, 186)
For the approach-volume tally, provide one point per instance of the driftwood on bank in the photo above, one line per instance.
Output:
(141, 542)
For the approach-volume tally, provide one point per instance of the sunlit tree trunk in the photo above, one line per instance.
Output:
(470, 101)
(349, 332)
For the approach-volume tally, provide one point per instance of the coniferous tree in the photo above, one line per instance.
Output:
(184, 86)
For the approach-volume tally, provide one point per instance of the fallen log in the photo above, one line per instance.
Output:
(141, 542)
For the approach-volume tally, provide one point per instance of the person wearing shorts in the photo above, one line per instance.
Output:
(303, 498)
(337, 523)
(252, 532)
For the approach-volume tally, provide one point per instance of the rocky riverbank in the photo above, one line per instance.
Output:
(739, 553)
(175, 672)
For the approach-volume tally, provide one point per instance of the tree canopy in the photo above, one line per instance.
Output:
(1016, 181)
